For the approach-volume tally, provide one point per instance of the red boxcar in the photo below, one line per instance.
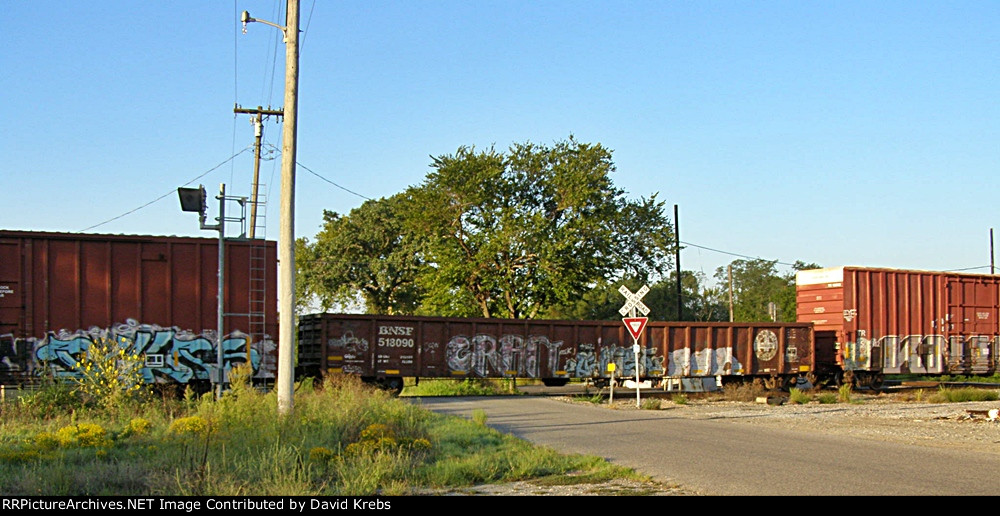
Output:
(388, 348)
(888, 321)
(60, 291)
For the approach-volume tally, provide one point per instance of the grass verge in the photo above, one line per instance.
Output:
(343, 438)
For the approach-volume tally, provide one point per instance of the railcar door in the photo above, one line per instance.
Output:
(15, 357)
(971, 324)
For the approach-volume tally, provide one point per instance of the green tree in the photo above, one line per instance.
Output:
(756, 283)
(512, 235)
(367, 253)
(602, 302)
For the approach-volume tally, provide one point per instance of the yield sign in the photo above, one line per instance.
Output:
(635, 325)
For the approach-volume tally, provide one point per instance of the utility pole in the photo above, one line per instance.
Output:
(730, 268)
(258, 124)
(286, 236)
(992, 268)
(677, 246)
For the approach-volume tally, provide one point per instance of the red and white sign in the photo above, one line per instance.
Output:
(635, 325)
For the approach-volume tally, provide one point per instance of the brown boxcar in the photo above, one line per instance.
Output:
(388, 348)
(888, 321)
(59, 292)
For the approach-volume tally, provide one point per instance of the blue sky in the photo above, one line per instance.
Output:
(840, 133)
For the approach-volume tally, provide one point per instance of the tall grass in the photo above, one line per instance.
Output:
(798, 396)
(463, 387)
(343, 438)
(946, 395)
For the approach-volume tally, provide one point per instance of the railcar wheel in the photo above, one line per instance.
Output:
(554, 382)
(877, 380)
(393, 385)
(788, 382)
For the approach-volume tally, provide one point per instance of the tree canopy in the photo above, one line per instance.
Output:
(367, 253)
(756, 283)
(494, 234)
(513, 234)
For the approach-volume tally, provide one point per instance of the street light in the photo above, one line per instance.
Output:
(286, 230)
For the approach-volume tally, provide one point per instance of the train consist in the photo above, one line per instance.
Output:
(158, 296)
(883, 322)
(385, 349)
(155, 295)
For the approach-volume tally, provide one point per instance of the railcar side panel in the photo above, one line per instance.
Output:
(889, 321)
(59, 292)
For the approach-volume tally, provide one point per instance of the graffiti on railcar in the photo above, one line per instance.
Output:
(926, 354)
(706, 362)
(485, 355)
(170, 354)
(354, 351)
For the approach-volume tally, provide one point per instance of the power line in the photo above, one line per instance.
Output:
(308, 21)
(733, 254)
(307, 169)
(166, 194)
(332, 183)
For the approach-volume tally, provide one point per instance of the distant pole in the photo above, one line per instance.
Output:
(222, 290)
(992, 269)
(677, 247)
(258, 119)
(730, 292)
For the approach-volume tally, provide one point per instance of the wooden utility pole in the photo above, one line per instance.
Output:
(286, 228)
(677, 247)
(258, 124)
(286, 236)
(730, 292)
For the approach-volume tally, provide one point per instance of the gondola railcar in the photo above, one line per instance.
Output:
(386, 349)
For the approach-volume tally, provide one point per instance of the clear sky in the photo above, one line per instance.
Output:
(841, 133)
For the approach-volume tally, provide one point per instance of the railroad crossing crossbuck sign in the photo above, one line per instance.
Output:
(633, 301)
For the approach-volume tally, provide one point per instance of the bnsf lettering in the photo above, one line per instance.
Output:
(384, 342)
(395, 330)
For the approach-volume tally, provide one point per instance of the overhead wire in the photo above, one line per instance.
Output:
(166, 194)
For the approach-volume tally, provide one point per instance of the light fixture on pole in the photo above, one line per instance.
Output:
(195, 200)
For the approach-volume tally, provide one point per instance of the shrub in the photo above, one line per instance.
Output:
(796, 395)
(844, 393)
(680, 399)
(742, 391)
(240, 379)
(321, 454)
(827, 398)
(195, 426)
(651, 404)
(82, 435)
(110, 373)
(52, 399)
(138, 426)
(479, 416)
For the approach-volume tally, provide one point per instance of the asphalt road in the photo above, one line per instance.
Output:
(726, 457)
